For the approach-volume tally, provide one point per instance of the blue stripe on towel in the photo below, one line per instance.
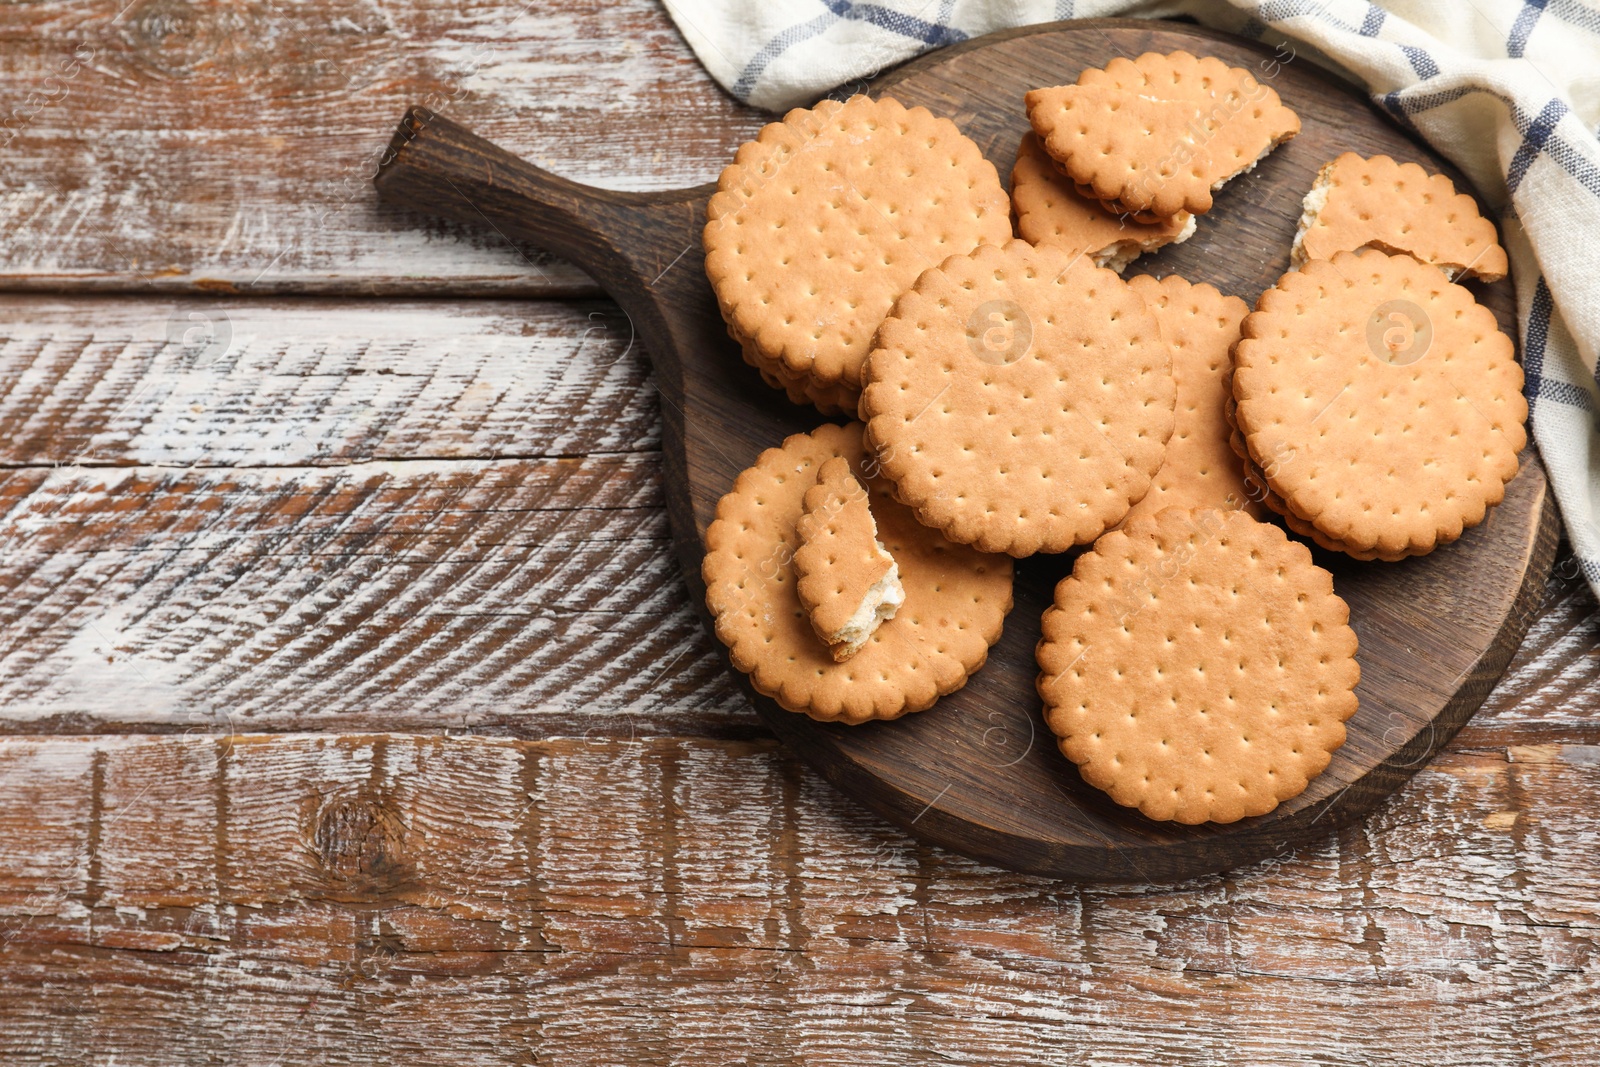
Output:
(1534, 137)
(1420, 61)
(802, 31)
(929, 34)
(932, 34)
(1527, 18)
(1535, 337)
(1576, 13)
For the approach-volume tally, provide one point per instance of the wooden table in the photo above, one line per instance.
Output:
(353, 708)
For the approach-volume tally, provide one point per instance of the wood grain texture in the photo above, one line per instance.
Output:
(231, 382)
(420, 595)
(276, 525)
(475, 901)
(1435, 631)
(169, 145)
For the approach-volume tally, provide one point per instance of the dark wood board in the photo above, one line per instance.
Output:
(977, 773)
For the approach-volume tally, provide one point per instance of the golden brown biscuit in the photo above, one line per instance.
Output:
(1050, 211)
(1199, 326)
(1397, 208)
(1019, 399)
(1391, 392)
(1160, 133)
(846, 580)
(956, 598)
(827, 216)
(1259, 489)
(838, 399)
(1198, 666)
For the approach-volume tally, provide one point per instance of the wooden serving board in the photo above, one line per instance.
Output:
(978, 773)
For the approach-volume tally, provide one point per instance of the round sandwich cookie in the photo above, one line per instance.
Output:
(1382, 402)
(1019, 398)
(838, 399)
(1160, 133)
(1199, 469)
(1051, 212)
(1198, 666)
(1260, 490)
(827, 216)
(1397, 208)
(1148, 218)
(955, 602)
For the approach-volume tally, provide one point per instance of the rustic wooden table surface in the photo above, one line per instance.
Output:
(353, 708)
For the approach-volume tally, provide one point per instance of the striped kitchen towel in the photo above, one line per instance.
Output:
(1509, 90)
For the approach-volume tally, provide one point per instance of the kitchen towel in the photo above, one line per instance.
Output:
(1508, 90)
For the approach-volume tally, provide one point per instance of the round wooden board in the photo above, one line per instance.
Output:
(979, 773)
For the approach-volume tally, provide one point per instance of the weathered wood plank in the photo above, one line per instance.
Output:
(243, 383)
(167, 146)
(1552, 683)
(485, 901)
(538, 595)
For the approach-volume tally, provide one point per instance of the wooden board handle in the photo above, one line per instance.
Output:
(622, 239)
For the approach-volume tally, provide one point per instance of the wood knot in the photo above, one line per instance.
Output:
(302, 49)
(175, 38)
(360, 843)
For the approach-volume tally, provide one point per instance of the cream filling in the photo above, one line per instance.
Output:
(1310, 210)
(1117, 256)
(1248, 167)
(883, 599)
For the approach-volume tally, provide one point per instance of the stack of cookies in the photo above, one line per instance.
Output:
(824, 219)
(1015, 395)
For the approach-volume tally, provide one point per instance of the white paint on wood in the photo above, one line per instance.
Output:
(152, 171)
(252, 383)
(602, 901)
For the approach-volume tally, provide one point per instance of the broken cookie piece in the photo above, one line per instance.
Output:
(847, 581)
(1051, 211)
(1158, 135)
(1357, 203)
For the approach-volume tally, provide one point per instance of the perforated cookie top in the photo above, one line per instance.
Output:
(827, 216)
(1395, 208)
(1199, 325)
(838, 558)
(956, 599)
(1390, 398)
(1019, 399)
(1198, 666)
(1260, 490)
(1161, 132)
(1051, 211)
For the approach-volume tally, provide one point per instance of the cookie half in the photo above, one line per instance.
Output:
(1019, 398)
(1160, 133)
(1388, 399)
(1050, 211)
(956, 599)
(827, 216)
(1394, 207)
(846, 580)
(1199, 326)
(1198, 666)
